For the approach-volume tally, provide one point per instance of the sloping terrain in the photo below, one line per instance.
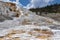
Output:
(52, 11)
(26, 25)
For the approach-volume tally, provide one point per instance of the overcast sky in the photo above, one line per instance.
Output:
(35, 3)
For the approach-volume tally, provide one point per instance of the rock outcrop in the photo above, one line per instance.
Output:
(25, 25)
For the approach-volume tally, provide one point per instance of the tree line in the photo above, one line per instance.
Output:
(55, 8)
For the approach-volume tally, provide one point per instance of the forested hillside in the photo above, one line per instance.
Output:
(48, 9)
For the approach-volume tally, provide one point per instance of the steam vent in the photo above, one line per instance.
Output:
(17, 23)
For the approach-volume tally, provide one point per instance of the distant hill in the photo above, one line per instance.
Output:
(48, 9)
(52, 11)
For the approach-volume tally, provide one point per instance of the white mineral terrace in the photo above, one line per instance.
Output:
(21, 24)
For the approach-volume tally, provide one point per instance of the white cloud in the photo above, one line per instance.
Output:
(38, 3)
(5, 0)
(33, 3)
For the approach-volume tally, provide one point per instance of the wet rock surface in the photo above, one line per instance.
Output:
(21, 24)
